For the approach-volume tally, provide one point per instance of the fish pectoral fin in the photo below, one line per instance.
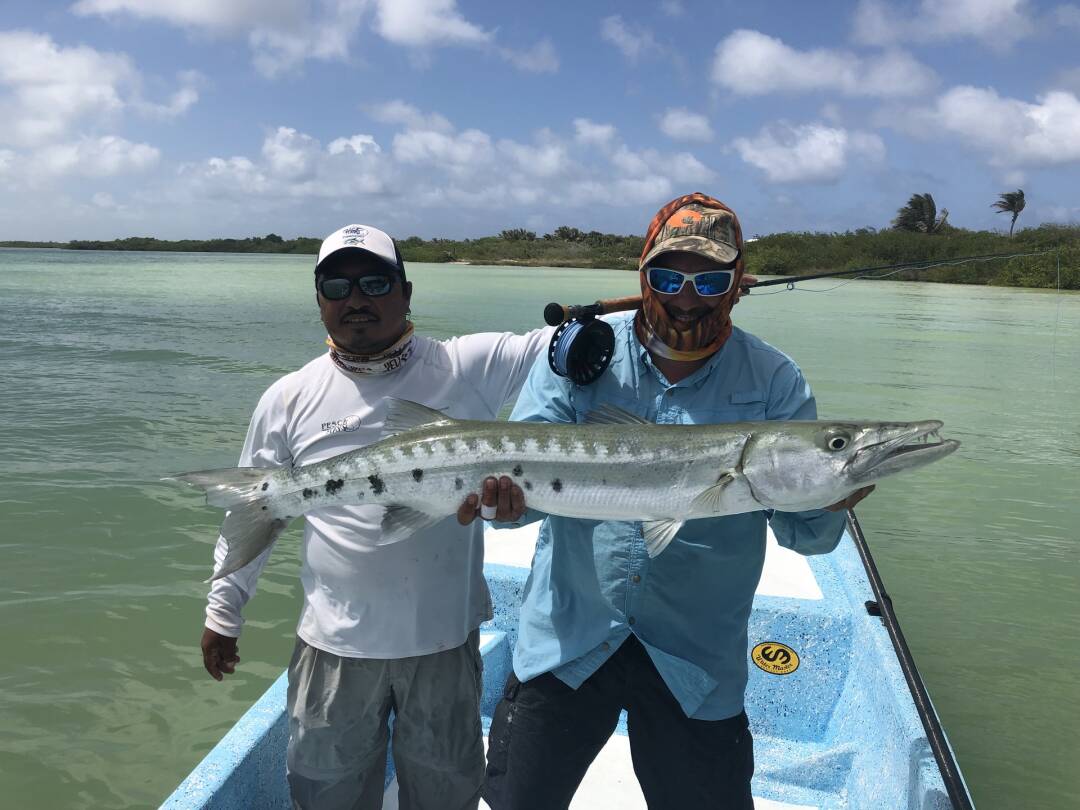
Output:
(658, 533)
(400, 522)
(607, 414)
(403, 414)
(248, 531)
(709, 502)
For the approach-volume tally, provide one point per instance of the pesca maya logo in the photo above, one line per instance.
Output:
(775, 658)
(346, 425)
(354, 235)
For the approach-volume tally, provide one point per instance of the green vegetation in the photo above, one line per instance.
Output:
(920, 216)
(780, 254)
(786, 254)
(1011, 202)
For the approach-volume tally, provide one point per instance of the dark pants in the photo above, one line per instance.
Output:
(544, 736)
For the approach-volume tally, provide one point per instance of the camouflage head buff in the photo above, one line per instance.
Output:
(694, 223)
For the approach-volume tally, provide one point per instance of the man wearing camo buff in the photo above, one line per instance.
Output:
(604, 628)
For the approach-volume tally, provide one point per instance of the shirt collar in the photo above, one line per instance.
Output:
(647, 366)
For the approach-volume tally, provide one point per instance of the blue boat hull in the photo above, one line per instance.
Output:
(850, 727)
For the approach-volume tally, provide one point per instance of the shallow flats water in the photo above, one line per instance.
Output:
(121, 368)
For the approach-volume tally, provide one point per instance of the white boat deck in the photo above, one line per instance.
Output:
(610, 781)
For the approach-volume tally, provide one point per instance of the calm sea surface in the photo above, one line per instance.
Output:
(118, 369)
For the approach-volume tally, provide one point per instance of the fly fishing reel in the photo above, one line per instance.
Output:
(581, 349)
(582, 346)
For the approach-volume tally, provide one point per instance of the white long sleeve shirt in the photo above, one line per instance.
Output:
(414, 597)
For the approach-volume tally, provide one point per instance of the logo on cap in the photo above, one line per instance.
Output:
(354, 235)
(693, 221)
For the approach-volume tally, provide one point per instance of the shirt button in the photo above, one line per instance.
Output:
(605, 646)
(632, 620)
(636, 578)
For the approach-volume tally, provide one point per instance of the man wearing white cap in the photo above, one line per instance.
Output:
(382, 627)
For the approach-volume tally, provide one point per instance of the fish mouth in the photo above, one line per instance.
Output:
(902, 447)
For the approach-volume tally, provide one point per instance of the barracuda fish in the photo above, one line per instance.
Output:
(615, 466)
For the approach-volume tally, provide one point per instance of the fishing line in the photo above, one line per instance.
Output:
(917, 266)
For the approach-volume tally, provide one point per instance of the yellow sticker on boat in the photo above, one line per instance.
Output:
(775, 658)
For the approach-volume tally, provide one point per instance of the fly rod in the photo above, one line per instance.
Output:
(555, 314)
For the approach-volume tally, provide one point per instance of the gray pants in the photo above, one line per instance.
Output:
(338, 711)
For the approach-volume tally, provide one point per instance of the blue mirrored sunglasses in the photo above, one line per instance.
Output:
(708, 283)
(338, 289)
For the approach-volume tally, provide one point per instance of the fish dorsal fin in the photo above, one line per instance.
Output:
(608, 414)
(710, 502)
(403, 414)
(659, 533)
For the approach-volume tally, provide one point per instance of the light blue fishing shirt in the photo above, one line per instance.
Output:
(592, 583)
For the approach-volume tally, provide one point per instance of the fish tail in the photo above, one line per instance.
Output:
(248, 530)
(251, 525)
(229, 487)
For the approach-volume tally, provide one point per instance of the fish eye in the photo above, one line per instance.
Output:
(838, 441)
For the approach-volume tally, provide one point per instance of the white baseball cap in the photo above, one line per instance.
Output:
(362, 238)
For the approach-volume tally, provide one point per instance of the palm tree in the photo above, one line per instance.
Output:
(1010, 202)
(920, 214)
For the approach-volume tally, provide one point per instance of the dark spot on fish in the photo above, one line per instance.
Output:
(264, 508)
(458, 483)
(308, 492)
(603, 481)
(359, 493)
(556, 485)
(377, 485)
(266, 485)
(517, 470)
(333, 486)
(528, 485)
(418, 475)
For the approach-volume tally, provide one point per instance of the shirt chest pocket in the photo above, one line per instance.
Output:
(740, 406)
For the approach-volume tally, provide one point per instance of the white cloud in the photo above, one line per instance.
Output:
(1069, 80)
(185, 97)
(997, 23)
(590, 132)
(293, 165)
(401, 112)
(283, 34)
(94, 157)
(425, 22)
(541, 58)
(548, 158)
(1067, 16)
(212, 15)
(1013, 133)
(49, 93)
(807, 153)
(682, 125)
(633, 41)
(1059, 213)
(357, 144)
(291, 154)
(462, 152)
(46, 89)
(751, 63)
(104, 200)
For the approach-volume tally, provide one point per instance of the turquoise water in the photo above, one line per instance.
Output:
(120, 368)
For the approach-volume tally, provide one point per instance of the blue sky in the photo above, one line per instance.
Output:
(455, 118)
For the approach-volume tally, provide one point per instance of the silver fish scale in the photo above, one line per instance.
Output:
(589, 471)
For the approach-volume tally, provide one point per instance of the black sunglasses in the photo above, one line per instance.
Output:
(338, 289)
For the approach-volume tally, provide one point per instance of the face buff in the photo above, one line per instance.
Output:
(692, 223)
(384, 362)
